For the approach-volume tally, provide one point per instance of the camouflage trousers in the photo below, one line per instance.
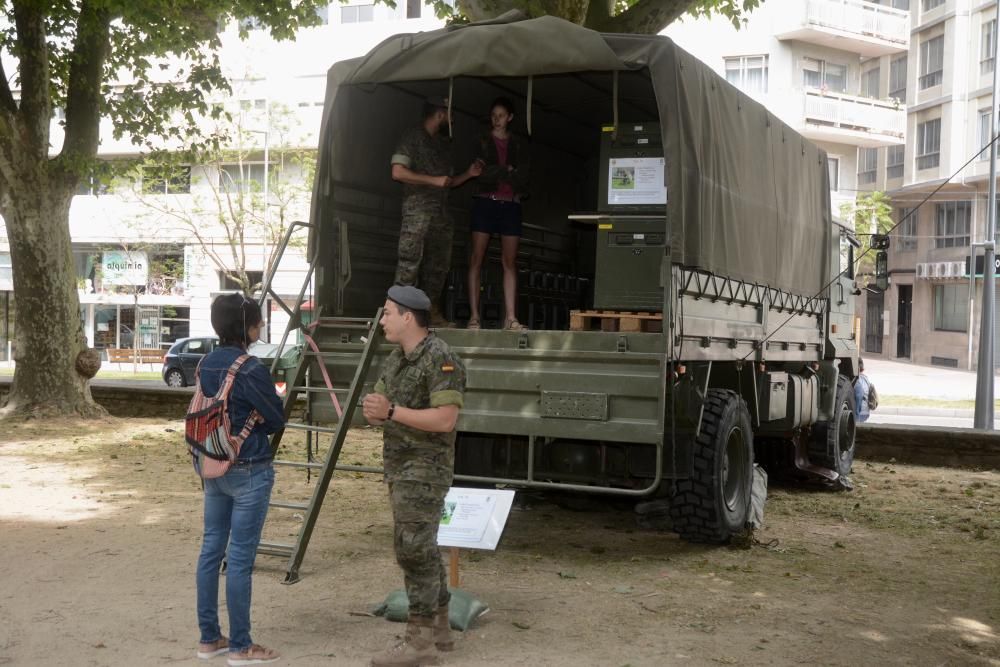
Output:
(425, 251)
(416, 513)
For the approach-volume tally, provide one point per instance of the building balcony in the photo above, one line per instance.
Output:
(847, 119)
(849, 25)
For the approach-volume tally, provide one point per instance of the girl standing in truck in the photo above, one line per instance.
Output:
(496, 209)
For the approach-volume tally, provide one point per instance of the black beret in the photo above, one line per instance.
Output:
(410, 297)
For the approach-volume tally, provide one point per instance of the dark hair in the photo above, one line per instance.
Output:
(503, 102)
(421, 317)
(430, 109)
(232, 317)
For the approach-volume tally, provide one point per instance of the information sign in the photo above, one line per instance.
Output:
(474, 518)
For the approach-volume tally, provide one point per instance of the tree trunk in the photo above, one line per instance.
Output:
(48, 334)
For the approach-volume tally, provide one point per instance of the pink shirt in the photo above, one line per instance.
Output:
(504, 189)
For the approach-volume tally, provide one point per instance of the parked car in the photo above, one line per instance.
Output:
(181, 360)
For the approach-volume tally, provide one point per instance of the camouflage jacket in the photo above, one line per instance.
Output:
(428, 377)
(423, 154)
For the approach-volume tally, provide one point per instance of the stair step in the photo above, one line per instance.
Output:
(274, 549)
(298, 464)
(295, 426)
(288, 506)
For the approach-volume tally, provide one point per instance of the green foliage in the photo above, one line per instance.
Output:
(868, 209)
(77, 56)
(735, 10)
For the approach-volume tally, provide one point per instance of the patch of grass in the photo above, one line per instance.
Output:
(109, 375)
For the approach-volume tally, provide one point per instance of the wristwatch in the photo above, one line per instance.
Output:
(392, 409)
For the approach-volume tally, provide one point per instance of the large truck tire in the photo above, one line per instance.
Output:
(832, 442)
(713, 504)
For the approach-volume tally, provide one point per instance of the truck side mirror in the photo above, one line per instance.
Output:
(881, 271)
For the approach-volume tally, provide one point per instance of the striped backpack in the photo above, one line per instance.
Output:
(208, 430)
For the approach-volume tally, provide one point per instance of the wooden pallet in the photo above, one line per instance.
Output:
(613, 320)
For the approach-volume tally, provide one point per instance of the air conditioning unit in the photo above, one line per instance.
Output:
(948, 270)
(922, 270)
(958, 269)
(939, 269)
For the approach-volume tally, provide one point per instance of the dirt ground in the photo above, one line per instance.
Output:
(100, 529)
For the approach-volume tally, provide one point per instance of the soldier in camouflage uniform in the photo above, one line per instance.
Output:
(416, 400)
(422, 163)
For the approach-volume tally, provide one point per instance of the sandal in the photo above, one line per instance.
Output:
(514, 325)
(208, 650)
(473, 324)
(255, 654)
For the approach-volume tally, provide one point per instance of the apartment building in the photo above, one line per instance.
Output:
(144, 277)
(931, 312)
(806, 61)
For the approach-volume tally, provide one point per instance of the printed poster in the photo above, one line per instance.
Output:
(474, 518)
(636, 180)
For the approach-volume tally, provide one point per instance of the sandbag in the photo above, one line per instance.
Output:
(462, 611)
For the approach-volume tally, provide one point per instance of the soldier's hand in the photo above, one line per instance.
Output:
(476, 168)
(442, 181)
(375, 408)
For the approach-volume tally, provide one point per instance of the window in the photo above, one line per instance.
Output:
(951, 228)
(324, 14)
(867, 165)
(931, 4)
(988, 45)
(6, 272)
(931, 62)
(91, 185)
(166, 180)
(198, 346)
(413, 8)
(748, 73)
(257, 105)
(897, 79)
(824, 75)
(929, 144)
(833, 166)
(907, 234)
(894, 157)
(241, 177)
(869, 83)
(951, 307)
(985, 133)
(228, 284)
(357, 14)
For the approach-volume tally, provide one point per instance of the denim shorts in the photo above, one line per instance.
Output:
(491, 216)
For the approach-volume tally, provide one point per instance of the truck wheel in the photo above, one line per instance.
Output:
(832, 442)
(712, 505)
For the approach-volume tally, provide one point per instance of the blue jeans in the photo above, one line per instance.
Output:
(235, 509)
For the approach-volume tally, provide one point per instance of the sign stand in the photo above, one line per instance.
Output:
(453, 577)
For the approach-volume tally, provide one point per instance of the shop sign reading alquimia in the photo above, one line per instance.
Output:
(119, 267)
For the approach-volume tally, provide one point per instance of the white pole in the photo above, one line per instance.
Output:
(985, 372)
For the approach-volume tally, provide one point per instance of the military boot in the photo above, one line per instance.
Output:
(442, 630)
(416, 649)
(439, 321)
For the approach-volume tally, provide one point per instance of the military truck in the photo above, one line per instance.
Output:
(660, 194)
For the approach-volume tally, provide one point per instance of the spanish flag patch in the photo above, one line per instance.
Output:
(447, 368)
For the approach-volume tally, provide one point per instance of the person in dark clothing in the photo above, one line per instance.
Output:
(236, 503)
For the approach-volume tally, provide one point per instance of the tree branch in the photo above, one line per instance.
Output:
(83, 94)
(32, 52)
(646, 17)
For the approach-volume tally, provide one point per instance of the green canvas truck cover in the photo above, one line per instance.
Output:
(748, 197)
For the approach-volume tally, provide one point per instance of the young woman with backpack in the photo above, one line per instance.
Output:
(236, 501)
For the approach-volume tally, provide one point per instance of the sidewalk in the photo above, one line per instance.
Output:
(893, 378)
